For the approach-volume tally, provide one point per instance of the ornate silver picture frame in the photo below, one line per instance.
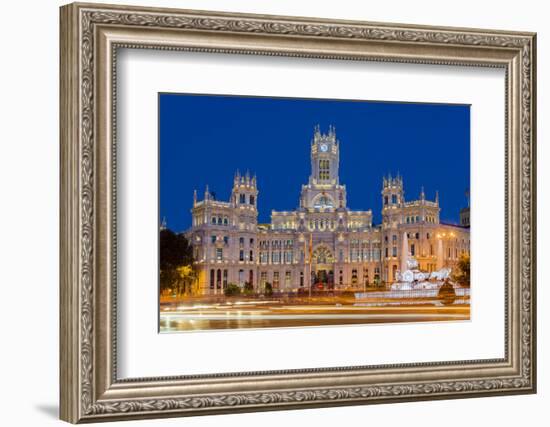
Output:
(91, 389)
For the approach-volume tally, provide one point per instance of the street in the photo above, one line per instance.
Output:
(275, 313)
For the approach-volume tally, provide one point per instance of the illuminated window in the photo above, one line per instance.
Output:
(354, 277)
(276, 280)
(324, 202)
(324, 167)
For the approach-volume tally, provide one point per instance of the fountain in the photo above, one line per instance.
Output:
(415, 285)
(411, 278)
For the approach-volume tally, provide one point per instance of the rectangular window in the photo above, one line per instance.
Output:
(219, 254)
(224, 279)
(251, 256)
(324, 167)
(394, 251)
(226, 239)
(242, 198)
(275, 280)
(354, 277)
(241, 255)
(263, 278)
(212, 274)
(301, 278)
(412, 249)
(394, 198)
(251, 242)
(288, 276)
(213, 239)
(241, 241)
(387, 253)
(251, 200)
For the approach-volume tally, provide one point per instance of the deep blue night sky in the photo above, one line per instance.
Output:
(205, 139)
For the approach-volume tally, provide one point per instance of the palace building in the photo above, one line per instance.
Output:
(322, 242)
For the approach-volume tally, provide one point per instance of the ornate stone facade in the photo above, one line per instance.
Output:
(322, 242)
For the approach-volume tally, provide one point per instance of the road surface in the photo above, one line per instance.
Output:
(274, 314)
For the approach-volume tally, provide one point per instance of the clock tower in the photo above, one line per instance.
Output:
(325, 153)
(323, 189)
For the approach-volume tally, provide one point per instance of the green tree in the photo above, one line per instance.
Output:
(232, 290)
(176, 262)
(248, 288)
(268, 289)
(461, 273)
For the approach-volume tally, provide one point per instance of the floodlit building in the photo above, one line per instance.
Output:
(322, 242)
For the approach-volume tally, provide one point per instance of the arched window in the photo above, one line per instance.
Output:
(323, 255)
(323, 201)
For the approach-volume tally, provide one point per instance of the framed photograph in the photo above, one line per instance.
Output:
(265, 212)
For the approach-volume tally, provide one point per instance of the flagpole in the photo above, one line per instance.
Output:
(310, 260)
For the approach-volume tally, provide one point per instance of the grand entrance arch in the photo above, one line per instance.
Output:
(323, 267)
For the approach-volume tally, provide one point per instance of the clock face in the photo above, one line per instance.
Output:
(324, 147)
